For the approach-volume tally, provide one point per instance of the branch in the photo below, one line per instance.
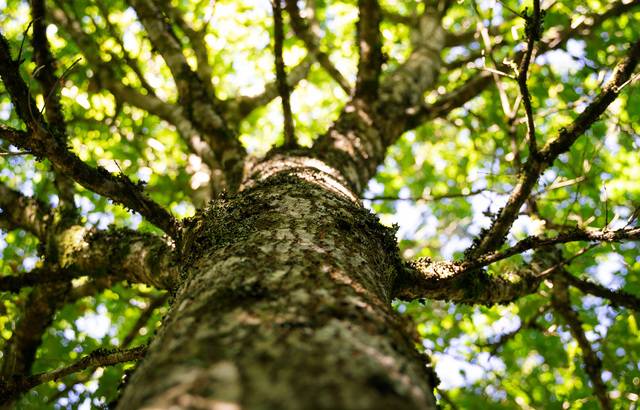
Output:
(281, 75)
(37, 313)
(144, 317)
(108, 78)
(448, 102)
(12, 388)
(45, 74)
(534, 30)
(427, 198)
(535, 165)
(37, 276)
(22, 211)
(534, 242)
(441, 280)
(199, 106)
(237, 109)
(610, 91)
(312, 42)
(505, 337)
(357, 141)
(47, 142)
(121, 253)
(197, 41)
(617, 297)
(369, 49)
(459, 282)
(593, 365)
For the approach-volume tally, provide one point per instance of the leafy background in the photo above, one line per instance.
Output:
(471, 153)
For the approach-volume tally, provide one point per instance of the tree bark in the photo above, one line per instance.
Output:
(284, 303)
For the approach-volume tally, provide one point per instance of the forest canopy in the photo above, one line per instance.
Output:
(515, 78)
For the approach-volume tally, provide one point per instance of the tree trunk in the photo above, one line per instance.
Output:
(285, 304)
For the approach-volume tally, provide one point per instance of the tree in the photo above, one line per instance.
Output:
(184, 184)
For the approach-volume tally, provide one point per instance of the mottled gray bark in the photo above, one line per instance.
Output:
(285, 304)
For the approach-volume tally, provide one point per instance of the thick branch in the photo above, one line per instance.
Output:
(357, 141)
(118, 254)
(15, 283)
(369, 49)
(196, 39)
(24, 212)
(128, 255)
(45, 74)
(460, 282)
(449, 281)
(281, 75)
(200, 107)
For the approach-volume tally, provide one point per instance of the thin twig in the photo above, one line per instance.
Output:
(427, 198)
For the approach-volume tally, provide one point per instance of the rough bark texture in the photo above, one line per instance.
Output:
(285, 304)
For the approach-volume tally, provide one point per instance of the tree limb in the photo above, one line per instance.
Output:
(533, 30)
(357, 141)
(200, 107)
(441, 280)
(15, 283)
(281, 75)
(12, 388)
(25, 212)
(312, 42)
(121, 253)
(369, 49)
(617, 297)
(51, 84)
(534, 242)
(535, 165)
(196, 39)
(118, 254)
(593, 365)
(45, 142)
(238, 108)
